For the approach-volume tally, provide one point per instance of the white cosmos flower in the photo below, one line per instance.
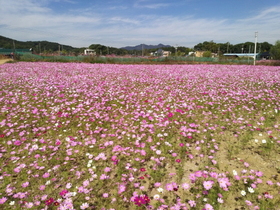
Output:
(251, 190)
(159, 135)
(234, 172)
(243, 192)
(156, 196)
(35, 147)
(263, 141)
(160, 189)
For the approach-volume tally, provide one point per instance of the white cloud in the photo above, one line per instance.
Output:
(117, 7)
(123, 20)
(29, 20)
(21, 7)
(151, 6)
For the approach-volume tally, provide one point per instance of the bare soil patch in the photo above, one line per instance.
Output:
(2, 61)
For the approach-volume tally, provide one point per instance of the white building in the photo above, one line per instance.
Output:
(89, 52)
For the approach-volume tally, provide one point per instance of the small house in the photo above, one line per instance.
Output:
(89, 52)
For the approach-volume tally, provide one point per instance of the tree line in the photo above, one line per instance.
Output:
(210, 46)
(246, 47)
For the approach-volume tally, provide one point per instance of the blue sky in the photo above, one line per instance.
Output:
(120, 23)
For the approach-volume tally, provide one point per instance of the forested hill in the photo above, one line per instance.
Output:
(8, 43)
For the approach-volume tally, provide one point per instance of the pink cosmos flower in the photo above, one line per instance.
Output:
(25, 184)
(208, 184)
(46, 175)
(249, 203)
(84, 206)
(259, 173)
(157, 184)
(29, 205)
(208, 207)
(224, 182)
(169, 187)
(269, 182)
(17, 142)
(246, 164)
(185, 186)
(220, 200)
(141, 200)
(3, 200)
(68, 185)
(63, 192)
(42, 187)
(192, 203)
(122, 188)
(105, 195)
(49, 201)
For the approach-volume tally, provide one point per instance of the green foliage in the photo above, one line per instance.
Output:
(37, 46)
(245, 47)
(275, 50)
(207, 54)
(106, 50)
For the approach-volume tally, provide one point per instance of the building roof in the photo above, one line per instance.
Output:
(240, 54)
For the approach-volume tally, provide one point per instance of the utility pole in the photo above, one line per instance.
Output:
(227, 46)
(14, 45)
(14, 52)
(249, 52)
(256, 38)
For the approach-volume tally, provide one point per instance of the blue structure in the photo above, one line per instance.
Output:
(252, 55)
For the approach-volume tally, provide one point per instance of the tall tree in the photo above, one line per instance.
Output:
(275, 50)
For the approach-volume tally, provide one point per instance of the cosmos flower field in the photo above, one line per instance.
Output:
(101, 136)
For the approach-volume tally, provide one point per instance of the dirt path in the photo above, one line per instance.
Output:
(2, 61)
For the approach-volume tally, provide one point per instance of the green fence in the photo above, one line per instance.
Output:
(33, 57)
(131, 60)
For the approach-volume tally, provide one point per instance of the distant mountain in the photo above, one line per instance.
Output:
(8, 43)
(40, 46)
(144, 46)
